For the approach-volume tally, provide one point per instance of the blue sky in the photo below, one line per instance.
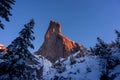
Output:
(81, 20)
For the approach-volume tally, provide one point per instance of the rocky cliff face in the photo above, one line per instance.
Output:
(56, 45)
(3, 48)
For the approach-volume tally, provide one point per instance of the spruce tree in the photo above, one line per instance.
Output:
(18, 52)
(23, 42)
(5, 7)
(103, 50)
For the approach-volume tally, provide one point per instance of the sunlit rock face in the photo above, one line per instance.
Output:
(56, 45)
(3, 48)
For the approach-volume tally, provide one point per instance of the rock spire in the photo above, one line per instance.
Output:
(56, 45)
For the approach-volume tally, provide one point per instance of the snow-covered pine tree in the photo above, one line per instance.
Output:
(101, 48)
(103, 51)
(5, 7)
(18, 52)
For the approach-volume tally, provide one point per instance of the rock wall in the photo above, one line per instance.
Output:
(56, 45)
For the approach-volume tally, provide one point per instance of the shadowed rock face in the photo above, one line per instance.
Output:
(56, 45)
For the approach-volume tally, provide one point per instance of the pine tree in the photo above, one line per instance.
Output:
(118, 38)
(101, 48)
(23, 42)
(5, 7)
(18, 52)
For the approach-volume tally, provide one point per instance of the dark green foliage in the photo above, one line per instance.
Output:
(5, 7)
(105, 51)
(15, 65)
(23, 42)
(104, 77)
(101, 48)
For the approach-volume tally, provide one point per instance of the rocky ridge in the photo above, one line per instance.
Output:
(56, 45)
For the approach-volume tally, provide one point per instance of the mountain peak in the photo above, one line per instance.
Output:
(54, 28)
(56, 45)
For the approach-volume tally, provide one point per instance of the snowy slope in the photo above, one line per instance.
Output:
(84, 68)
(75, 67)
(46, 63)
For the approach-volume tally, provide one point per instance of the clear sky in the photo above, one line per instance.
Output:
(81, 20)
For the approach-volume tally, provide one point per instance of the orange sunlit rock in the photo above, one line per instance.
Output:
(3, 48)
(56, 45)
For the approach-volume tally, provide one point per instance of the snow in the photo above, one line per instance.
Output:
(47, 64)
(1, 61)
(116, 70)
(118, 77)
(4, 76)
(75, 54)
(38, 58)
(16, 56)
(80, 70)
(86, 67)
(116, 55)
(83, 69)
